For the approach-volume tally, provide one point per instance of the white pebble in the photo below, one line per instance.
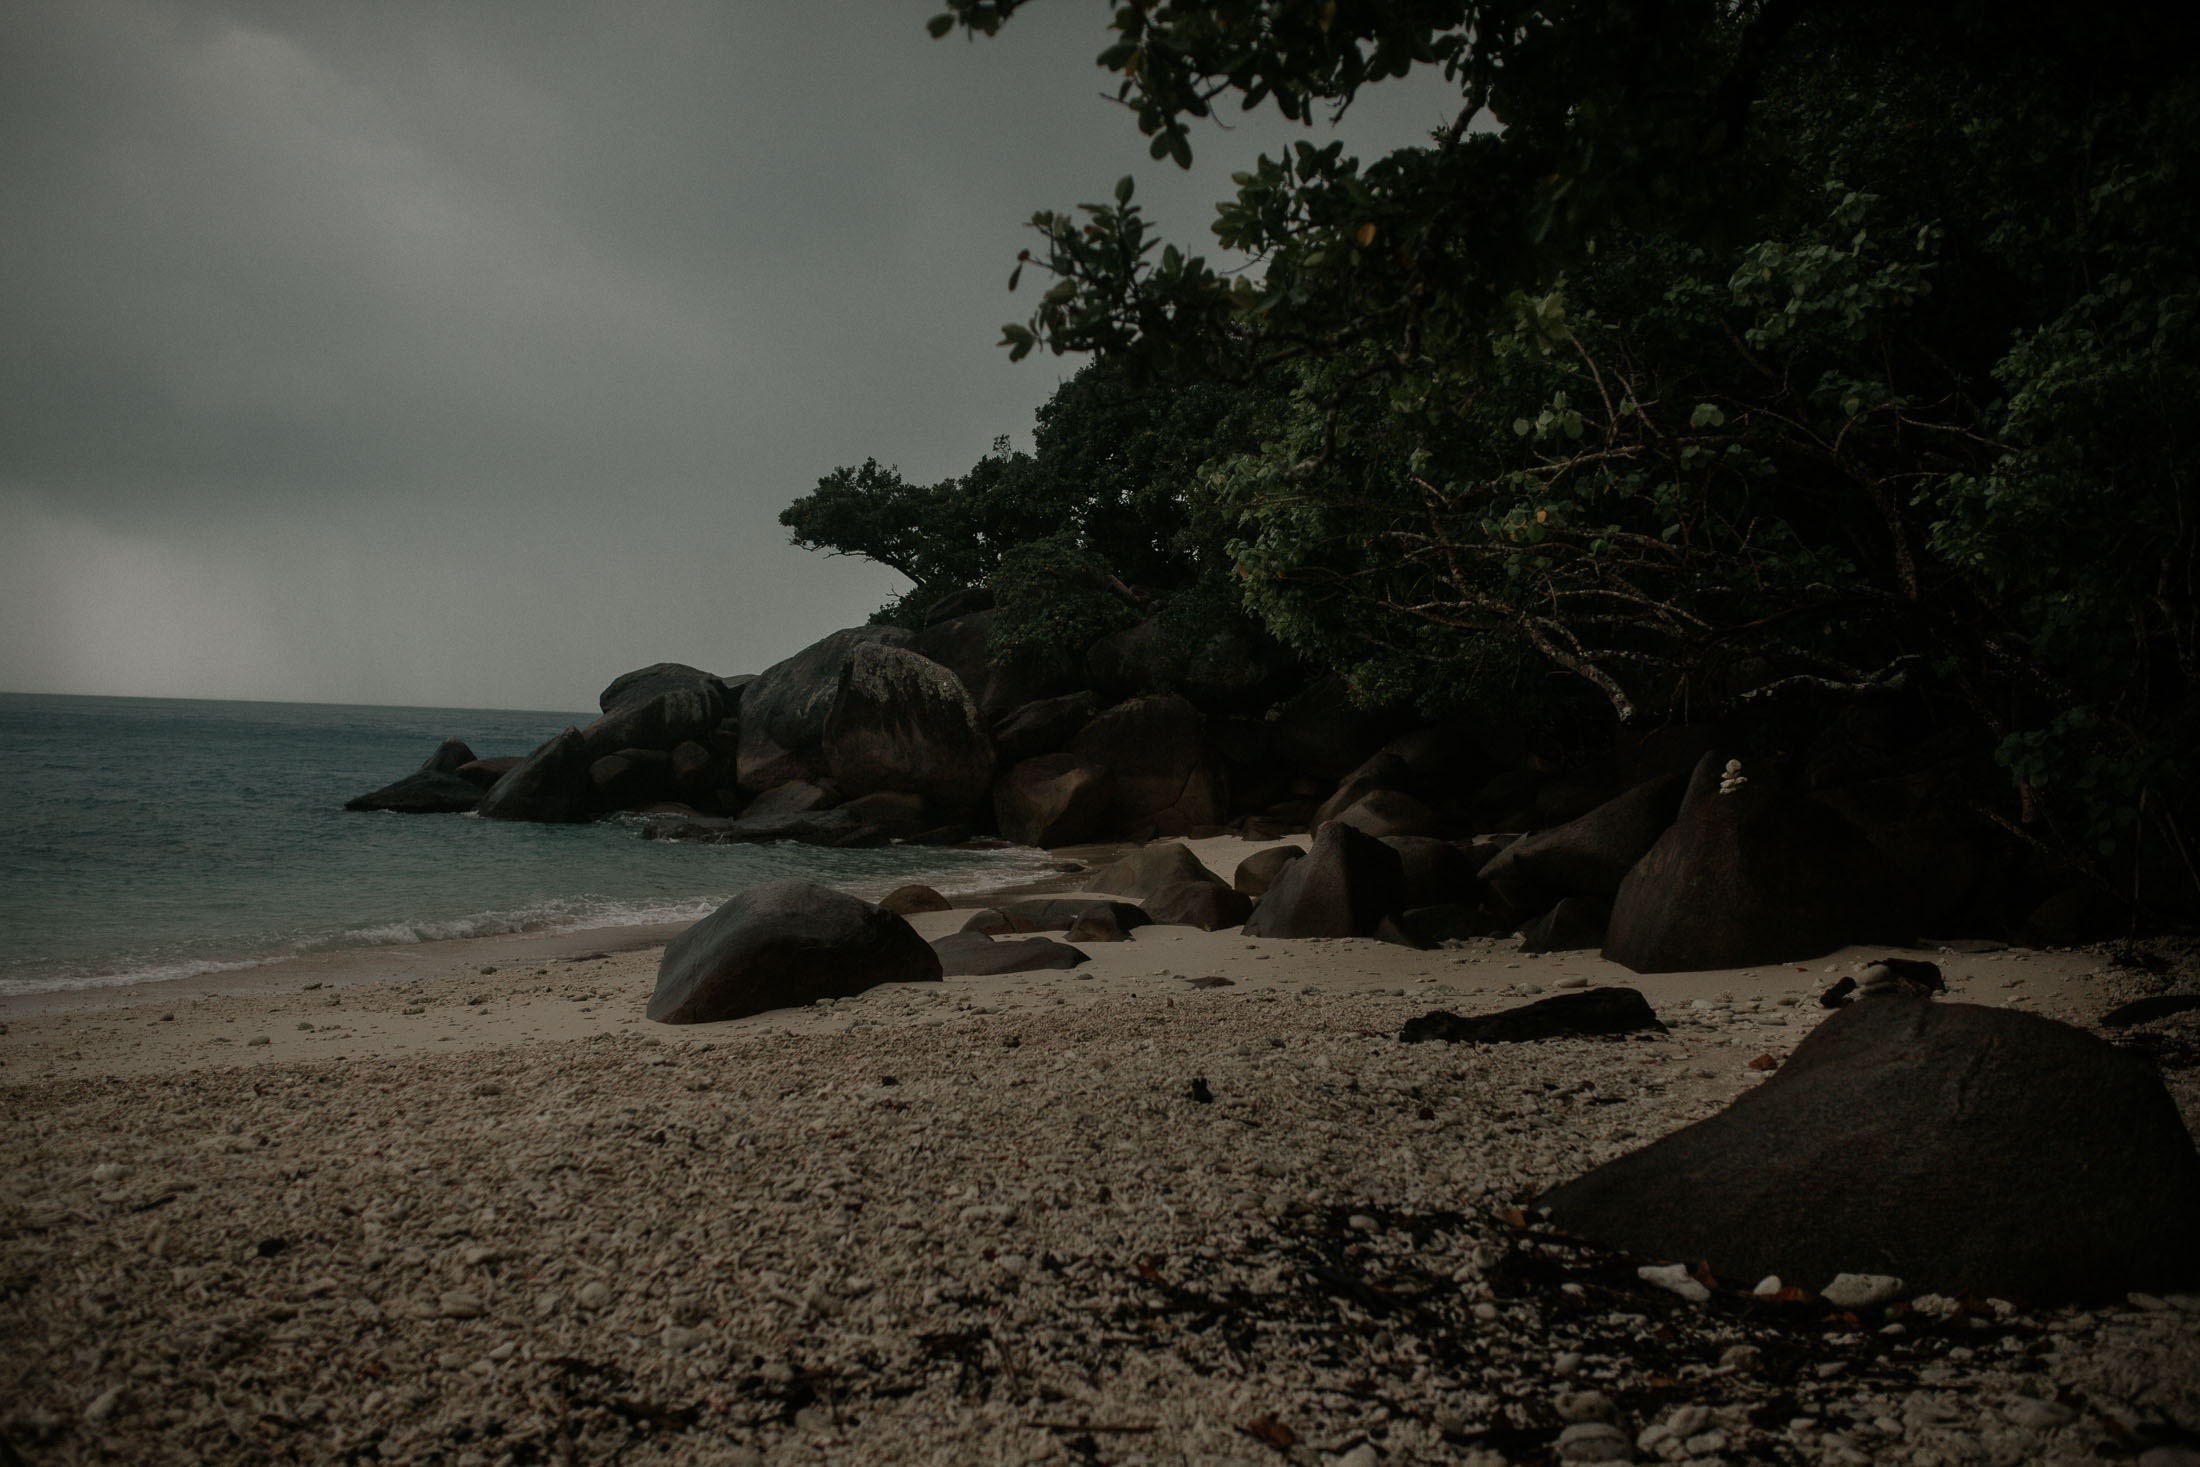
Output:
(1674, 1278)
(1861, 1290)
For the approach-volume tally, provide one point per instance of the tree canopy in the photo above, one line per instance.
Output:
(1717, 357)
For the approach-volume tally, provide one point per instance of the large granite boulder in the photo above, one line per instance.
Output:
(551, 784)
(1207, 905)
(1149, 869)
(1964, 1150)
(483, 773)
(1045, 726)
(1165, 778)
(902, 722)
(1573, 924)
(423, 792)
(796, 797)
(1343, 887)
(1387, 812)
(645, 683)
(782, 945)
(1052, 914)
(1589, 1013)
(973, 954)
(783, 709)
(1761, 875)
(1437, 871)
(1052, 800)
(1591, 854)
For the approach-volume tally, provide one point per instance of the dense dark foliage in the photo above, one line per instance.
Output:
(1770, 356)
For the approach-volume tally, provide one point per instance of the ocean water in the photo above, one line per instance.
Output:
(145, 838)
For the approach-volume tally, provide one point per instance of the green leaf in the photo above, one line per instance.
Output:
(1123, 187)
(940, 25)
(1707, 415)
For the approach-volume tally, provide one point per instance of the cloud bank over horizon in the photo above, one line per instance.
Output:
(465, 356)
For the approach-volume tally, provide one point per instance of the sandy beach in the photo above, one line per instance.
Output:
(460, 1203)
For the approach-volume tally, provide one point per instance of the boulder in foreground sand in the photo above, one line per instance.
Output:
(551, 784)
(1562, 1016)
(782, 945)
(1961, 1149)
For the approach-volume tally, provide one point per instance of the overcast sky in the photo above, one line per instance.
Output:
(465, 355)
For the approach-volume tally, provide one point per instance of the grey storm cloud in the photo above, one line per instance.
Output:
(467, 353)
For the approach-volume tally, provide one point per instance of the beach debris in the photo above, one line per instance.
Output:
(1591, 1011)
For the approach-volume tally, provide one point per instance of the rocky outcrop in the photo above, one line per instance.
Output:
(901, 722)
(1963, 1150)
(661, 721)
(907, 901)
(1437, 872)
(1760, 875)
(1053, 800)
(782, 945)
(1573, 924)
(551, 784)
(1343, 887)
(1387, 812)
(630, 779)
(783, 710)
(1165, 780)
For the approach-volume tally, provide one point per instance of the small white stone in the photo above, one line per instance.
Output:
(1768, 1286)
(1584, 1406)
(680, 1337)
(1362, 1455)
(1567, 1365)
(103, 1405)
(1674, 1278)
(593, 1295)
(1571, 983)
(111, 1171)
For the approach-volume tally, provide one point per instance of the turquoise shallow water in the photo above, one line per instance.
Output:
(150, 838)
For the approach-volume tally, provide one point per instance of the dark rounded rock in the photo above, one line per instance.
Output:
(1165, 779)
(973, 954)
(1150, 869)
(551, 785)
(423, 792)
(1053, 800)
(645, 683)
(1207, 905)
(1257, 872)
(1593, 853)
(1043, 727)
(448, 757)
(902, 816)
(1386, 812)
(1964, 1150)
(1437, 871)
(1573, 924)
(907, 901)
(902, 722)
(630, 779)
(1107, 922)
(782, 945)
(1446, 922)
(989, 921)
(482, 773)
(797, 797)
(1343, 887)
(1055, 914)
